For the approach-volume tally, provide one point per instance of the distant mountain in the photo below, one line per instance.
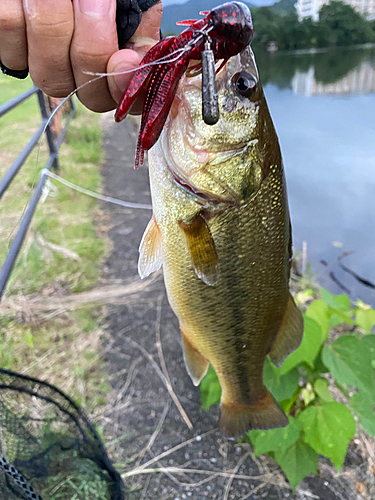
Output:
(284, 6)
(188, 10)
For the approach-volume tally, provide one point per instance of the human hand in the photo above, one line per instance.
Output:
(61, 40)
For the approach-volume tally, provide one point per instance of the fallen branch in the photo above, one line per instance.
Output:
(105, 294)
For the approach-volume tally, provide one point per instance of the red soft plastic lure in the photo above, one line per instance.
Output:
(230, 29)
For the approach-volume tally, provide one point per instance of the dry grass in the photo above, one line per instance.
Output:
(60, 258)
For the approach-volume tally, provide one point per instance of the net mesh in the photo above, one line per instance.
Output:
(48, 448)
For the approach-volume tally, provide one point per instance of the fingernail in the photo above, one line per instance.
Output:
(141, 44)
(123, 60)
(122, 80)
(95, 8)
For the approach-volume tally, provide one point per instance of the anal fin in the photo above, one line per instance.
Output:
(202, 249)
(196, 364)
(289, 335)
(150, 250)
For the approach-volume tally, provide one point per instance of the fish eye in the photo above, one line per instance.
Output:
(244, 83)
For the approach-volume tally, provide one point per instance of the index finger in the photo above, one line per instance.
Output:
(13, 47)
(94, 41)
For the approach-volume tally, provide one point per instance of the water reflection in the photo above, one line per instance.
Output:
(326, 127)
(360, 80)
(334, 72)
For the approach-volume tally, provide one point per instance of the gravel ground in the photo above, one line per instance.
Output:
(142, 416)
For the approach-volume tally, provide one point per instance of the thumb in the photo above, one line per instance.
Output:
(147, 34)
(123, 61)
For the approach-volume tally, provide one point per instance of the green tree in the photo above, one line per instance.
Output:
(339, 24)
(347, 26)
(266, 24)
(289, 32)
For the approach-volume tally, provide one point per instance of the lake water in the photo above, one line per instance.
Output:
(323, 106)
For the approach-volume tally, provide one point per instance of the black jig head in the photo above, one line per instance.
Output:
(210, 99)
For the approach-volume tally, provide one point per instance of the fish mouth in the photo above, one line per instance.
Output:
(204, 198)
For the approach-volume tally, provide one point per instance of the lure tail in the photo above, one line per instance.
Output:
(159, 82)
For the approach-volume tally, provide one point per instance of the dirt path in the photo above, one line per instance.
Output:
(142, 415)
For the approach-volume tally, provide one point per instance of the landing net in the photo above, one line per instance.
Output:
(48, 448)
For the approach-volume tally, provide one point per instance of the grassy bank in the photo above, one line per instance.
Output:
(61, 255)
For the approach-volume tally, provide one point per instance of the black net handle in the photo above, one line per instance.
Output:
(18, 480)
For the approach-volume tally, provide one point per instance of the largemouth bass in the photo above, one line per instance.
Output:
(221, 230)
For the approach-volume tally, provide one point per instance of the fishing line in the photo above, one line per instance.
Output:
(50, 118)
(109, 199)
(162, 60)
(169, 58)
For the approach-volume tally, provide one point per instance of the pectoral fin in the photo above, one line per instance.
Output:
(196, 364)
(289, 335)
(150, 250)
(202, 249)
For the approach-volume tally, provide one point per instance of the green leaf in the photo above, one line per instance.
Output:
(337, 319)
(275, 439)
(369, 342)
(318, 311)
(90, 355)
(365, 318)
(309, 348)
(29, 339)
(308, 395)
(321, 389)
(303, 296)
(349, 360)
(297, 461)
(104, 387)
(364, 408)
(281, 387)
(339, 302)
(210, 389)
(338, 308)
(328, 430)
(319, 366)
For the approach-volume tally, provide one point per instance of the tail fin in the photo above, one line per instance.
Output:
(238, 419)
